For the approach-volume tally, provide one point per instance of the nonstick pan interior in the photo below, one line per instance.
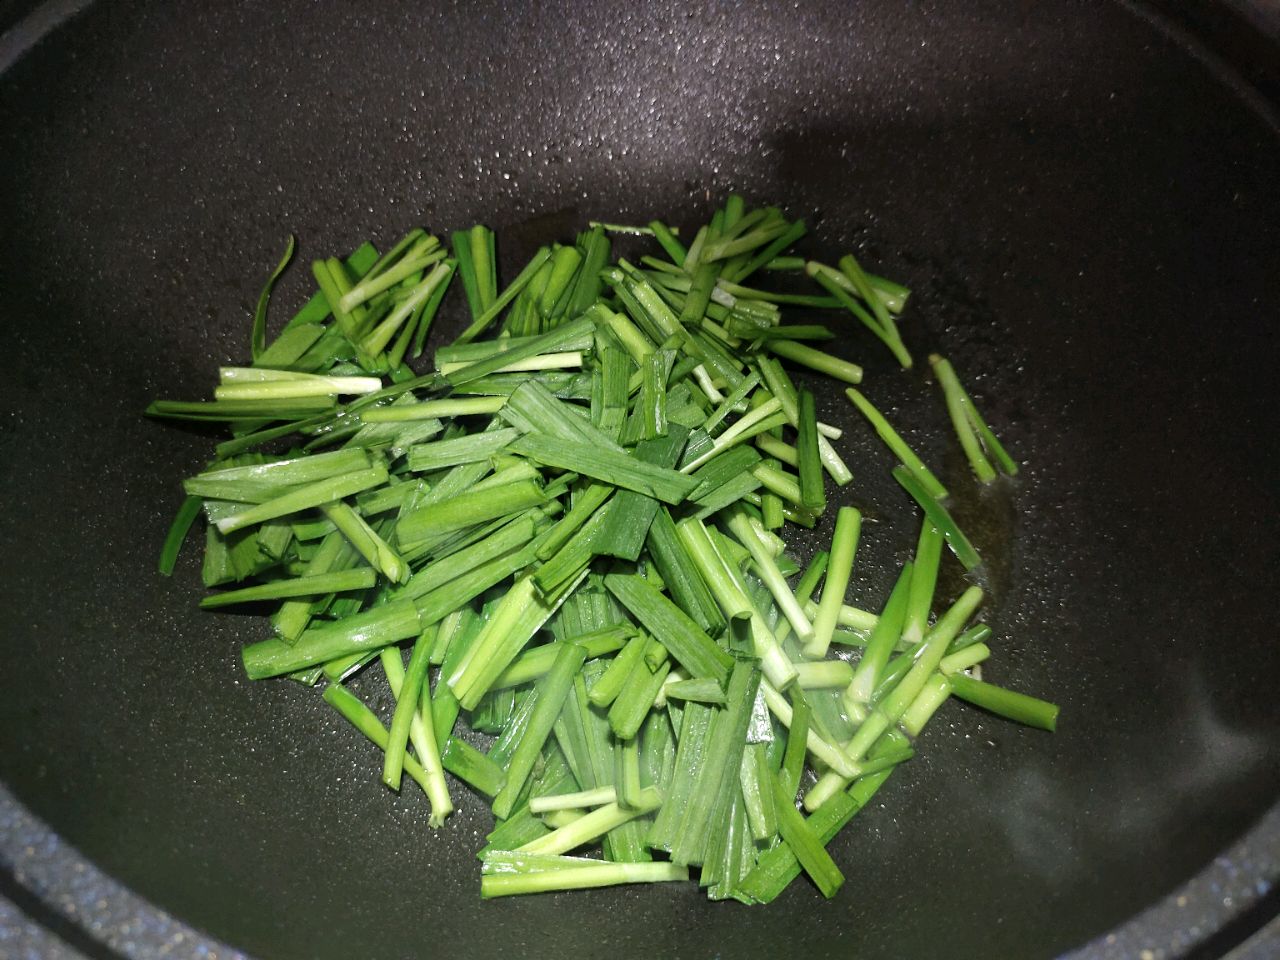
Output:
(1088, 212)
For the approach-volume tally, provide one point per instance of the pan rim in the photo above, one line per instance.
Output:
(49, 882)
(71, 899)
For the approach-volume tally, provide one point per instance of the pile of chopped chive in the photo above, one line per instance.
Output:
(575, 529)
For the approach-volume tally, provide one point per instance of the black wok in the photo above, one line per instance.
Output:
(1085, 198)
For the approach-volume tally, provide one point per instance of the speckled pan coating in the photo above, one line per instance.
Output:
(1088, 211)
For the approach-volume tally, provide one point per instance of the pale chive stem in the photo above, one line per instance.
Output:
(934, 694)
(850, 268)
(938, 515)
(778, 449)
(829, 754)
(731, 401)
(970, 427)
(594, 825)
(706, 385)
(487, 316)
(630, 229)
(737, 432)
(805, 586)
(378, 338)
(372, 547)
(295, 387)
(828, 431)
(960, 421)
(889, 710)
(823, 674)
(964, 658)
(780, 387)
(434, 409)
(227, 375)
(367, 722)
(924, 580)
(561, 360)
(884, 639)
(422, 257)
(844, 544)
(556, 819)
(595, 797)
(854, 618)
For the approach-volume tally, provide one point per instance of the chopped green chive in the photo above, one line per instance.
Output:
(305, 497)
(367, 722)
(938, 515)
(812, 496)
(809, 850)
(924, 579)
(844, 544)
(550, 694)
(372, 547)
(975, 436)
(173, 541)
(608, 466)
(363, 632)
(817, 360)
(592, 826)
(696, 651)
(258, 339)
(851, 269)
(472, 767)
(824, 674)
(582, 520)
(597, 874)
(467, 509)
(964, 658)
(339, 581)
(896, 444)
(1006, 703)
